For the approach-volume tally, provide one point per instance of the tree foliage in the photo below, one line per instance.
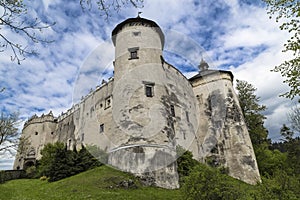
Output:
(106, 7)
(57, 162)
(287, 12)
(251, 109)
(205, 182)
(185, 163)
(8, 132)
(294, 117)
(14, 19)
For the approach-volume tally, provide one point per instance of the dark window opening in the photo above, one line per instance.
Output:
(133, 53)
(101, 128)
(187, 116)
(137, 33)
(36, 133)
(172, 111)
(82, 137)
(69, 144)
(149, 90)
(52, 133)
(107, 102)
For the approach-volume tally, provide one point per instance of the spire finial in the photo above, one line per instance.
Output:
(203, 65)
(139, 14)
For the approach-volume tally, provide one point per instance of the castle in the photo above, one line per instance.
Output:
(147, 109)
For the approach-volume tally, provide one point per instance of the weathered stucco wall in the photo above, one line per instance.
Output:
(149, 108)
(222, 131)
(38, 131)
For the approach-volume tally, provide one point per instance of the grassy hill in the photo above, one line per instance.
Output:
(99, 183)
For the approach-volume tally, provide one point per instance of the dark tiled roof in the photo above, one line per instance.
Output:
(135, 20)
(209, 72)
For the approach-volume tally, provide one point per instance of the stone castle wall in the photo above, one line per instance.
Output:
(148, 109)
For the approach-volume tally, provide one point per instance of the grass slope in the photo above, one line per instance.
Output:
(98, 183)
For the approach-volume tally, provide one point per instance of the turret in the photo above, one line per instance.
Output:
(146, 137)
(137, 41)
(222, 132)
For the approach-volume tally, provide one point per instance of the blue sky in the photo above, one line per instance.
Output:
(234, 35)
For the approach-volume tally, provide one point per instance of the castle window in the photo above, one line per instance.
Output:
(101, 128)
(136, 33)
(36, 133)
(52, 133)
(107, 102)
(149, 91)
(133, 53)
(82, 137)
(172, 111)
(69, 144)
(149, 88)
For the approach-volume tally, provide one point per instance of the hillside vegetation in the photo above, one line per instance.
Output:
(99, 183)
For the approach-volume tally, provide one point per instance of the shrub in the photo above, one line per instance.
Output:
(209, 183)
(31, 172)
(57, 162)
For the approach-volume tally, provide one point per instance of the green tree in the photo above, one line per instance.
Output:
(185, 163)
(286, 132)
(49, 154)
(85, 160)
(251, 109)
(57, 162)
(209, 183)
(287, 12)
(14, 20)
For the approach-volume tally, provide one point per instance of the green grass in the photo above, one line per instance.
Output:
(98, 183)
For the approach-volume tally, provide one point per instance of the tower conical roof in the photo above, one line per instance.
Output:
(137, 21)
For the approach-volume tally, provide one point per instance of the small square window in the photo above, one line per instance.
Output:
(149, 88)
(133, 53)
(101, 128)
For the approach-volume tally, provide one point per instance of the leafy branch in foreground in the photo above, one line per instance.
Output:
(8, 132)
(288, 11)
(14, 19)
(106, 7)
(294, 117)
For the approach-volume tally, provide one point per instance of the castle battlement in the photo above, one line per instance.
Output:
(43, 118)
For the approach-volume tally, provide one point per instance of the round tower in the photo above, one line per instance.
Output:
(137, 41)
(144, 142)
(222, 132)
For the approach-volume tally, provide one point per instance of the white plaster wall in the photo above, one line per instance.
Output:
(222, 134)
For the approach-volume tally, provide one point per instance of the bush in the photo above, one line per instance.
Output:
(185, 163)
(31, 172)
(57, 162)
(209, 183)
